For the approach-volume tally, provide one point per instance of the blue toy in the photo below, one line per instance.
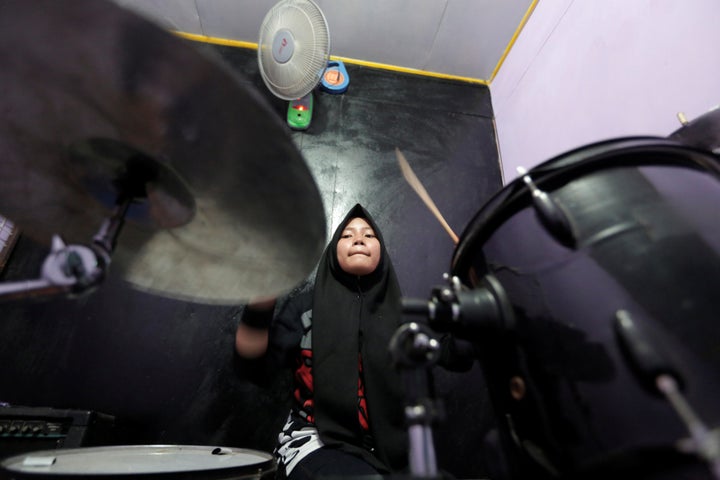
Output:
(335, 79)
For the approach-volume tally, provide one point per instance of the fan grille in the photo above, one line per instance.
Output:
(302, 23)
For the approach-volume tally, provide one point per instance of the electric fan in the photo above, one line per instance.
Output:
(293, 53)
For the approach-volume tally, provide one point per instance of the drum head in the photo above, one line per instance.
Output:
(144, 461)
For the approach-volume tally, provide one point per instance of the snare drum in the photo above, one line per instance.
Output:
(143, 461)
(645, 217)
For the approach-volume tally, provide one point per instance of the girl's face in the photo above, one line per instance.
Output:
(358, 250)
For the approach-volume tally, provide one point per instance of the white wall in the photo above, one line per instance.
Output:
(463, 38)
(583, 71)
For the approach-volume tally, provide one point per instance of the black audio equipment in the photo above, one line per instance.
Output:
(24, 429)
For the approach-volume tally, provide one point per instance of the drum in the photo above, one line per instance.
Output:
(142, 461)
(570, 401)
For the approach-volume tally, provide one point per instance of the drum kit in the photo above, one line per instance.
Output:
(588, 286)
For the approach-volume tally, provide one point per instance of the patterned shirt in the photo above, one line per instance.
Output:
(299, 436)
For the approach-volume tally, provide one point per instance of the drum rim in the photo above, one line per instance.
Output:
(265, 465)
(547, 176)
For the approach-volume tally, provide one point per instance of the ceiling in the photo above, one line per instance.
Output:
(464, 39)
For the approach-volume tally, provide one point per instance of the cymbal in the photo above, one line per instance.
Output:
(702, 132)
(99, 103)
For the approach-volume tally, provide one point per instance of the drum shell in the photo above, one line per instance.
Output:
(644, 213)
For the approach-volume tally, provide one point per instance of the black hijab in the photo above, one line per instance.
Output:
(354, 314)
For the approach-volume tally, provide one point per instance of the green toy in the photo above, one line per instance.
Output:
(299, 112)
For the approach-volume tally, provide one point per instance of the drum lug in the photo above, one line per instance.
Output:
(551, 214)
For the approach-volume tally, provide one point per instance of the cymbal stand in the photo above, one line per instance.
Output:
(72, 269)
(414, 351)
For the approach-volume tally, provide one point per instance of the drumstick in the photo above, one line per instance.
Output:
(422, 193)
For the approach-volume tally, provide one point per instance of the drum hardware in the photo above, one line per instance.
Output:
(655, 371)
(415, 350)
(463, 311)
(550, 213)
(72, 269)
(451, 308)
(702, 132)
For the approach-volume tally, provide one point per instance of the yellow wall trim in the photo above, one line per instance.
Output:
(217, 41)
(382, 66)
(512, 40)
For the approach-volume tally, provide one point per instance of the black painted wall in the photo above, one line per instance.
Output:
(165, 368)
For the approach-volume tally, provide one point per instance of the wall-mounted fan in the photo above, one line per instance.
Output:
(293, 53)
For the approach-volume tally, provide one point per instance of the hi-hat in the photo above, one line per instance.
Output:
(99, 104)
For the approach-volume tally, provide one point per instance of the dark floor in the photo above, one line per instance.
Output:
(165, 367)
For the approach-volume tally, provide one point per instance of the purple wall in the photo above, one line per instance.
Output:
(587, 71)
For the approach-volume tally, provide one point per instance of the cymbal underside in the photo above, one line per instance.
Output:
(99, 103)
